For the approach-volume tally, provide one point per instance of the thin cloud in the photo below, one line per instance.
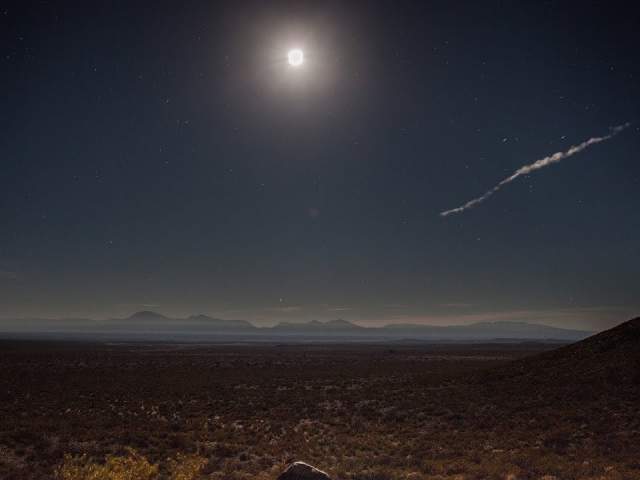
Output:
(145, 305)
(339, 309)
(284, 309)
(538, 164)
(395, 305)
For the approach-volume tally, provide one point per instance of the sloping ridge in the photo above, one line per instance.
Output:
(605, 363)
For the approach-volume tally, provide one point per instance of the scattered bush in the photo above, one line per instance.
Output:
(132, 466)
(185, 467)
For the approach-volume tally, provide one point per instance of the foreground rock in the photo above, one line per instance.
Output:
(302, 471)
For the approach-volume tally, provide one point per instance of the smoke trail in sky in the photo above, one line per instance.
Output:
(538, 164)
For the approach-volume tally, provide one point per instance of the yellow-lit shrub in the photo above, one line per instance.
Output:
(185, 467)
(133, 466)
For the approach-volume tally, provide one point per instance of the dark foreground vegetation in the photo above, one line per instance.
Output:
(95, 411)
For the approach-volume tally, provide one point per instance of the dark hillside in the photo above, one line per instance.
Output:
(578, 401)
(606, 364)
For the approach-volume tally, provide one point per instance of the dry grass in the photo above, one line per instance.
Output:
(132, 466)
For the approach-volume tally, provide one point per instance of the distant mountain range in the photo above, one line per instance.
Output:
(147, 324)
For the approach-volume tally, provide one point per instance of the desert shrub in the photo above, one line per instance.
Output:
(185, 467)
(132, 466)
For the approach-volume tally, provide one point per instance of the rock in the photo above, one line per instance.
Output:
(302, 471)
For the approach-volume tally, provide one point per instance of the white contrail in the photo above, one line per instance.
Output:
(543, 162)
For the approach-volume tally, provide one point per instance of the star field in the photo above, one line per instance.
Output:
(167, 156)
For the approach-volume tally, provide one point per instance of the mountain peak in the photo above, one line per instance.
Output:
(340, 323)
(318, 326)
(199, 317)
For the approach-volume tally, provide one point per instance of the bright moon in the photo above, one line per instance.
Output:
(296, 57)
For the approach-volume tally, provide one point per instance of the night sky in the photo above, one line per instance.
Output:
(167, 157)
